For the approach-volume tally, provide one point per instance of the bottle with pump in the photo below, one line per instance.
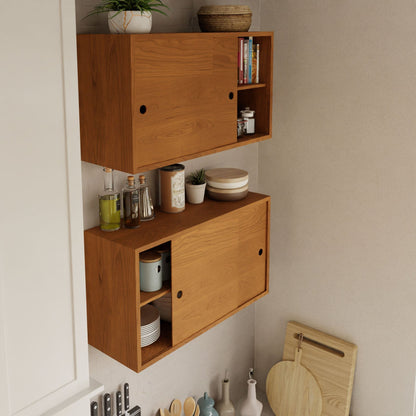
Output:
(145, 201)
(109, 202)
(131, 205)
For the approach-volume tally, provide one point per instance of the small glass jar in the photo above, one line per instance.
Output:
(241, 127)
(248, 115)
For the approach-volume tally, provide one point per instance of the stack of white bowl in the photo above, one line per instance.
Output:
(227, 184)
(149, 325)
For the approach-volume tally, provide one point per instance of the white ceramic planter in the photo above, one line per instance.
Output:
(195, 193)
(130, 22)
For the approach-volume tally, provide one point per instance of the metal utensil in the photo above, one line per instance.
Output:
(94, 409)
(189, 406)
(126, 398)
(119, 408)
(107, 404)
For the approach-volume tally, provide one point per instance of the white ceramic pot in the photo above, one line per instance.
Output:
(195, 193)
(133, 21)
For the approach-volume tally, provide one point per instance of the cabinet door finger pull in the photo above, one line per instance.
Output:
(260, 252)
(143, 109)
(179, 294)
(231, 95)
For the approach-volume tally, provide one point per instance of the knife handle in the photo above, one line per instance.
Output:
(94, 409)
(119, 408)
(107, 404)
(126, 396)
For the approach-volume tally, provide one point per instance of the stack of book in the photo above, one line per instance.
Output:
(248, 61)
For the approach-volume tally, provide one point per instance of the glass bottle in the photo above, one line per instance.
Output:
(131, 204)
(145, 201)
(109, 202)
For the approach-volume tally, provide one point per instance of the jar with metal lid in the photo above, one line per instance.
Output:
(241, 127)
(150, 271)
(172, 188)
(248, 115)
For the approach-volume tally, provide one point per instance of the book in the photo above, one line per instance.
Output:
(250, 60)
(245, 62)
(255, 64)
(240, 60)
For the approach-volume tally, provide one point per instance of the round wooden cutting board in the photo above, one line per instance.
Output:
(292, 390)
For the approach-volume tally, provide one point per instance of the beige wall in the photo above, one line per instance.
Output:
(342, 174)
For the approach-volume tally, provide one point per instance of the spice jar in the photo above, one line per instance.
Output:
(248, 116)
(172, 188)
(241, 127)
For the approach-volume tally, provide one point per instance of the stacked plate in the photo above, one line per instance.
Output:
(227, 184)
(149, 325)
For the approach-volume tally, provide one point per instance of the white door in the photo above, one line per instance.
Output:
(43, 343)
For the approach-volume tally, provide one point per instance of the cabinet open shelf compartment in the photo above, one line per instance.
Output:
(206, 241)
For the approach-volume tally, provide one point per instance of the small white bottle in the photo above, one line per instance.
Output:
(224, 406)
(250, 406)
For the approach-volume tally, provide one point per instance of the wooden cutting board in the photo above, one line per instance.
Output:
(332, 362)
(292, 390)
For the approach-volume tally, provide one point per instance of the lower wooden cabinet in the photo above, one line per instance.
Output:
(219, 265)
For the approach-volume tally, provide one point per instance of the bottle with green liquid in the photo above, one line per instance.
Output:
(109, 204)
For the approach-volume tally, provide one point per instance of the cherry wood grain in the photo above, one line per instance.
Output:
(150, 100)
(215, 262)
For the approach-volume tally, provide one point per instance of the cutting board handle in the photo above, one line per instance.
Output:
(300, 336)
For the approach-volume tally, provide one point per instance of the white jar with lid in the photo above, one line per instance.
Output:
(248, 115)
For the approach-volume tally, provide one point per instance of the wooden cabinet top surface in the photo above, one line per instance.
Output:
(165, 226)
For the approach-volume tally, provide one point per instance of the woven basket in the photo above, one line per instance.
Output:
(224, 18)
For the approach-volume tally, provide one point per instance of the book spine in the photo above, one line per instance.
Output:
(250, 60)
(245, 62)
(254, 64)
(240, 60)
(258, 63)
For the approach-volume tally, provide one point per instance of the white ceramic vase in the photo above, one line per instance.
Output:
(195, 193)
(250, 406)
(224, 406)
(133, 21)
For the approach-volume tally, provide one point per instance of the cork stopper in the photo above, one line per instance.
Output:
(130, 179)
(108, 170)
(142, 179)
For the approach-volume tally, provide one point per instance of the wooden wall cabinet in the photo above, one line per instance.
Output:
(219, 260)
(150, 100)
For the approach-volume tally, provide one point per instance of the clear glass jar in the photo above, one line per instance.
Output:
(131, 204)
(147, 211)
(109, 204)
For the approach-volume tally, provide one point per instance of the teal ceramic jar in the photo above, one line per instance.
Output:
(206, 406)
(150, 271)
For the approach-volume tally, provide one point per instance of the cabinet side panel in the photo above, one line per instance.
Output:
(104, 78)
(184, 82)
(112, 299)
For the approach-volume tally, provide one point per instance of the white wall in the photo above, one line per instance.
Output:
(200, 365)
(342, 174)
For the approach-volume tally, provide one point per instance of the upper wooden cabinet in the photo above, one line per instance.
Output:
(150, 100)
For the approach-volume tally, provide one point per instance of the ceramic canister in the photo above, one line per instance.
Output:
(172, 188)
(164, 251)
(150, 271)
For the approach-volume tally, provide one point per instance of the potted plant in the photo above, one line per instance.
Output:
(195, 187)
(129, 16)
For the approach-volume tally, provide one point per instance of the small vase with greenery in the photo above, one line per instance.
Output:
(195, 187)
(129, 16)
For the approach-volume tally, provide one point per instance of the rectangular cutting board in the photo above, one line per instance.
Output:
(331, 360)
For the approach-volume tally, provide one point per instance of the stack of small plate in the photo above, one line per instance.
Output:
(149, 325)
(227, 184)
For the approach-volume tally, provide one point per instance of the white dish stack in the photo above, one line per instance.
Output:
(226, 184)
(149, 325)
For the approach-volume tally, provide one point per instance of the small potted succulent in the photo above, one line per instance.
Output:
(195, 187)
(129, 16)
